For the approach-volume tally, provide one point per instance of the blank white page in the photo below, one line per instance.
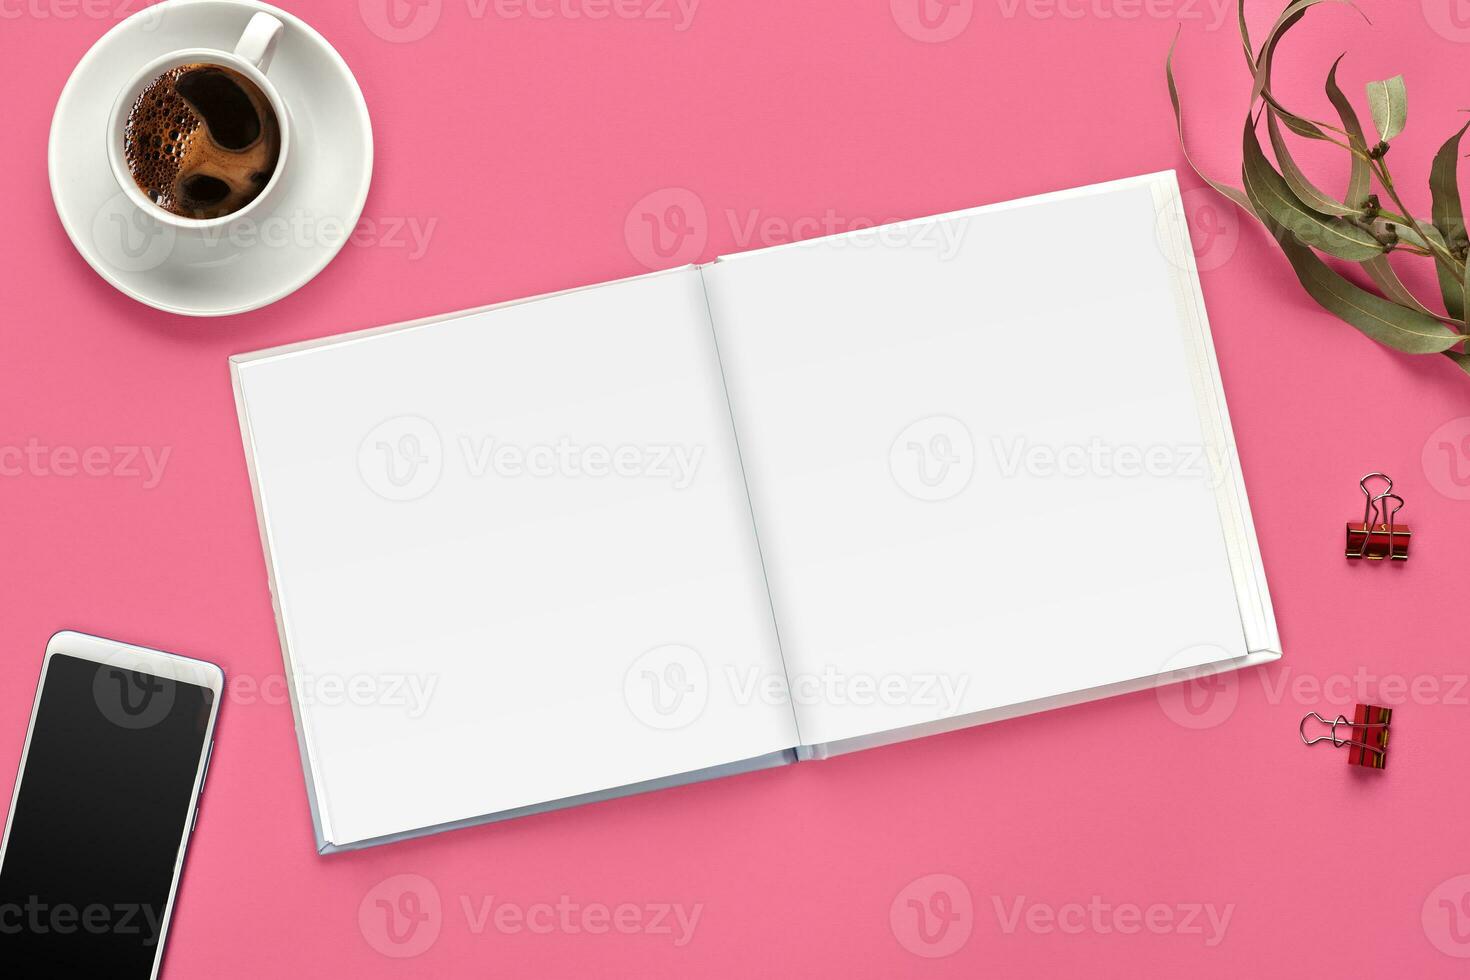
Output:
(976, 459)
(538, 514)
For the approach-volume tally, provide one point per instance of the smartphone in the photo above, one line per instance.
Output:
(105, 802)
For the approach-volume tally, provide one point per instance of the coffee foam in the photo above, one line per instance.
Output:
(201, 141)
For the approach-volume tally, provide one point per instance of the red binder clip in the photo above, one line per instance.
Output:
(1366, 738)
(1376, 536)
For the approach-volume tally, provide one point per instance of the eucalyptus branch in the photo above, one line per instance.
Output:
(1310, 225)
(1440, 252)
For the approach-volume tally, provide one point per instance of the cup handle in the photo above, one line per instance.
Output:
(258, 43)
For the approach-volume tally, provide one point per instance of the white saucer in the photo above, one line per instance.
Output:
(269, 255)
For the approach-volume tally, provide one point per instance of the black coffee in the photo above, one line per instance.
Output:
(202, 141)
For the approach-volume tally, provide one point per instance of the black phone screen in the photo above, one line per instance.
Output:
(102, 810)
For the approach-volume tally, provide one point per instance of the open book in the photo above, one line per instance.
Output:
(797, 502)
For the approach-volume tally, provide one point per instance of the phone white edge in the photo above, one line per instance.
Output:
(144, 660)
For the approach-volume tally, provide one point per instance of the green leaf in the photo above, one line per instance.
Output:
(1245, 38)
(1446, 213)
(1465, 285)
(1261, 86)
(1388, 101)
(1233, 193)
(1388, 323)
(1419, 237)
(1461, 359)
(1426, 236)
(1272, 197)
(1295, 123)
(1386, 279)
(1262, 65)
(1296, 180)
(1359, 175)
(1261, 68)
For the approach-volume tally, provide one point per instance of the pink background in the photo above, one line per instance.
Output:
(529, 143)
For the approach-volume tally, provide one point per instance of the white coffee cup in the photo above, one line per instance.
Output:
(251, 58)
